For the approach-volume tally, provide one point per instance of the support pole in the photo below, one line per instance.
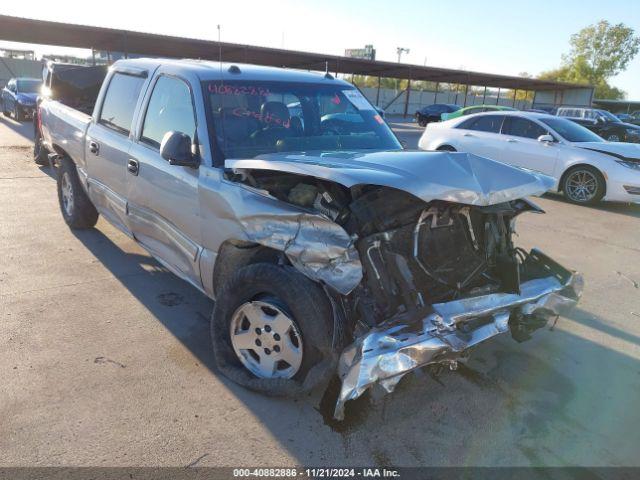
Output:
(498, 97)
(435, 98)
(378, 92)
(515, 94)
(466, 93)
(484, 95)
(406, 100)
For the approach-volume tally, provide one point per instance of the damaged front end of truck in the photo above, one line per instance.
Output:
(416, 250)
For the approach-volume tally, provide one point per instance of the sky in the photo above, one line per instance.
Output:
(496, 36)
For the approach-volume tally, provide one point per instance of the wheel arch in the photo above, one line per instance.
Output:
(235, 254)
(577, 165)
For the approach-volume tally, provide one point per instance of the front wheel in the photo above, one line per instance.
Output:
(76, 207)
(583, 185)
(273, 331)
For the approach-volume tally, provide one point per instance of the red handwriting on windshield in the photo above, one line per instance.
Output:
(268, 118)
(238, 90)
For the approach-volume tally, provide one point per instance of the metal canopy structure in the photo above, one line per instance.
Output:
(129, 42)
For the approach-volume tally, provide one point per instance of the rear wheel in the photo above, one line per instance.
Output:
(273, 331)
(17, 114)
(446, 148)
(40, 153)
(77, 210)
(583, 185)
(5, 112)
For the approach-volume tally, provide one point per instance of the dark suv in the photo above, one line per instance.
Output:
(603, 123)
(432, 113)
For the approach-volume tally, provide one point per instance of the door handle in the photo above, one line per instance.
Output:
(94, 147)
(511, 140)
(133, 166)
(468, 135)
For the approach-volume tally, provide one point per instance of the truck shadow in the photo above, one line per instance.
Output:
(510, 404)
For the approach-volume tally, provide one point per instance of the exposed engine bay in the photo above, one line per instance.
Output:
(437, 277)
(413, 254)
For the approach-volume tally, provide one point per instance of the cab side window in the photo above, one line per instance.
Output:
(521, 127)
(170, 109)
(120, 102)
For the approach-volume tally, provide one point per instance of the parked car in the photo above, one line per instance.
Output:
(605, 124)
(323, 247)
(586, 168)
(18, 97)
(432, 113)
(474, 109)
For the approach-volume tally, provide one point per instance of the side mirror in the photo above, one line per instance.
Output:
(176, 149)
(546, 138)
(600, 119)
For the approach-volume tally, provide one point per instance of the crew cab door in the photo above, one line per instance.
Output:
(163, 202)
(480, 135)
(522, 148)
(107, 145)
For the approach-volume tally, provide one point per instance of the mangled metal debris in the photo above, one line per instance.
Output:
(385, 354)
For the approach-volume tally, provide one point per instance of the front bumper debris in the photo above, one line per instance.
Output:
(385, 354)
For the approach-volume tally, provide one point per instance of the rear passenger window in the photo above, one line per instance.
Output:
(485, 123)
(520, 127)
(120, 102)
(170, 109)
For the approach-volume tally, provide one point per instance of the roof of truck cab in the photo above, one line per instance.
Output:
(209, 70)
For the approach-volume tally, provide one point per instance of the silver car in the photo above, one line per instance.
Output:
(327, 248)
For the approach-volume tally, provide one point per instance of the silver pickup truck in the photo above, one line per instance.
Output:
(284, 196)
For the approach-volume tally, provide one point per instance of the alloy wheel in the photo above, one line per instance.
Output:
(67, 194)
(266, 340)
(581, 186)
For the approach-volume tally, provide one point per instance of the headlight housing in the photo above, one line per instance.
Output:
(630, 164)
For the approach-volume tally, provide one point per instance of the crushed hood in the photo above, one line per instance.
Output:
(615, 149)
(456, 177)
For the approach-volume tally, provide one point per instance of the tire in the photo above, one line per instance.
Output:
(40, 153)
(422, 122)
(583, 185)
(286, 292)
(446, 148)
(5, 112)
(17, 115)
(76, 208)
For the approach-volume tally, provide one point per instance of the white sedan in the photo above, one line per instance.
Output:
(587, 168)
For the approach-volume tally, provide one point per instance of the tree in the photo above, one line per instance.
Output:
(598, 52)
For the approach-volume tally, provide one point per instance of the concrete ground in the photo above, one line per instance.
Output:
(105, 358)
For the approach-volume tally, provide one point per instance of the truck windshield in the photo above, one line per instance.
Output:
(254, 118)
(29, 85)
